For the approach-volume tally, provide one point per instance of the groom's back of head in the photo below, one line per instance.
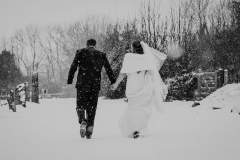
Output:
(91, 42)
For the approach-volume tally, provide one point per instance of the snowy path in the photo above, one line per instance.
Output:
(49, 131)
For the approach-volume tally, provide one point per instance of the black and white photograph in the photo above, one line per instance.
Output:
(120, 80)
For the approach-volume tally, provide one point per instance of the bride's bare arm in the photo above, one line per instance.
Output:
(119, 79)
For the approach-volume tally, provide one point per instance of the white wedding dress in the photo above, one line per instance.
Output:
(139, 92)
(145, 89)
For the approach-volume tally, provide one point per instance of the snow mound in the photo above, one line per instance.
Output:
(225, 97)
(236, 108)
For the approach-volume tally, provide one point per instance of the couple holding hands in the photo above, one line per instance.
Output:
(145, 89)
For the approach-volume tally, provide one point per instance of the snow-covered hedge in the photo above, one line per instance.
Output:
(182, 87)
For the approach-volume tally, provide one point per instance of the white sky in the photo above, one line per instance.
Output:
(17, 14)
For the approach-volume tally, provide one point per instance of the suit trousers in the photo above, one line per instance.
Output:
(87, 105)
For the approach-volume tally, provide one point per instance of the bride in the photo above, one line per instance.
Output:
(145, 87)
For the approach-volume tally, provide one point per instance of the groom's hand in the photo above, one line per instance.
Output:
(69, 81)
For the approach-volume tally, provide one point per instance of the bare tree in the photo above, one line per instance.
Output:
(220, 18)
(153, 27)
(25, 46)
(3, 44)
(20, 45)
(57, 52)
(46, 46)
(32, 36)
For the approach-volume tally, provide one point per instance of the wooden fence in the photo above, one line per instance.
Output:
(13, 98)
(209, 82)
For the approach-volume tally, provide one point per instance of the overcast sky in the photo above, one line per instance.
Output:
(17, 14)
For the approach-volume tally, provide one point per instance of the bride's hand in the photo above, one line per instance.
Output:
(114, 86)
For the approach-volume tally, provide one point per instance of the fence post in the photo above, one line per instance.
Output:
(199, 85)
(14, 108)
(220, 78)
(199, 80)
(35, 91)
(238, 76)
(216, 80)
(225, 77)
(27, 93)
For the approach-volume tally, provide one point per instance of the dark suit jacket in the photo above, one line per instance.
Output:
(89, 63)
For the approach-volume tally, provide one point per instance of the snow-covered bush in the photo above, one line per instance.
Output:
(182, 87)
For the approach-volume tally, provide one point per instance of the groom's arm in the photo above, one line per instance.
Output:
(73, 68)
(108, 69)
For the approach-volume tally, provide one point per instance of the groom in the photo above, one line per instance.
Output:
(89, 63)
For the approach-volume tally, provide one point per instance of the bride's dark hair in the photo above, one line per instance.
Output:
(137, 47)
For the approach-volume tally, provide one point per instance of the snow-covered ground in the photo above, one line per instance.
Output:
(50, 131)
(227, 97)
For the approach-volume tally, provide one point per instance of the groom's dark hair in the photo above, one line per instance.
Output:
(137, 47)
(91, 42)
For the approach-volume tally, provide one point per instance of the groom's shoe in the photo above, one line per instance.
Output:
(89, 132)
(136, 134)
(83, 129)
